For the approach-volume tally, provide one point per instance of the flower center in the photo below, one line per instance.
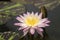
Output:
(31, 20)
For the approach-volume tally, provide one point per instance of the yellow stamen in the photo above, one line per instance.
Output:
(31, 20)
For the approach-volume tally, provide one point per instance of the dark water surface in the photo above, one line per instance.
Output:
(54, 29)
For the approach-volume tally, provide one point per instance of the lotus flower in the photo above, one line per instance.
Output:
(32, 21)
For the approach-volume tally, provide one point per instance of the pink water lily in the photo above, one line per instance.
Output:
(32, 21)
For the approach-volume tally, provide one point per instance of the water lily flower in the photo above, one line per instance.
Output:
(32, 21)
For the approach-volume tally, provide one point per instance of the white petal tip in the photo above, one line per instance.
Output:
(32, 31)
(15, 24)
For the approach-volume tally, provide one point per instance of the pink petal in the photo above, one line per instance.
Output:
(21, 28)
(40, 31)
(47, 25)
(32, 13)
(25, 31)
(24, 15)
(36, 14)
(32, 31)
(44, 20)
(43, 25)
(20, 24)
(25, 27)
(19, 19)
(40, 15)
(28, 13)
(47, 22)
(17, 24)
